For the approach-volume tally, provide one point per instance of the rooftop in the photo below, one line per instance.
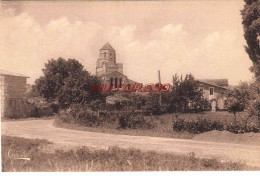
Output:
(221, 83)
(7, 73)
(107, 46)
(218, 82)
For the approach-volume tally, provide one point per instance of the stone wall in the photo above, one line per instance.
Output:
(15, 87)
(12, 94)
(2, 97)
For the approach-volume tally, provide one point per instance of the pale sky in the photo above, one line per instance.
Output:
(204, 38)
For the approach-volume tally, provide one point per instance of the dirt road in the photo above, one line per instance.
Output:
(44, 129)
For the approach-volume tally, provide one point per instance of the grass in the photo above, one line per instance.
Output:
(113, 159)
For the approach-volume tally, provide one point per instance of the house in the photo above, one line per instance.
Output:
(108, 70)
(214, 91)
(13, 88)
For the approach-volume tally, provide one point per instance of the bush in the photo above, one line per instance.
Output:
(134, 120)
(116, 119)
(202, 125)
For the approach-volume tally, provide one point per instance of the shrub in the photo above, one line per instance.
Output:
(202, 125)
(152, 105)
(134, 120)
(117, 119)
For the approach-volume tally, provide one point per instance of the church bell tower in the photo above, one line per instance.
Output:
(107, 56)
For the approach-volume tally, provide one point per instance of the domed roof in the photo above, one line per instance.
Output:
(107, 46)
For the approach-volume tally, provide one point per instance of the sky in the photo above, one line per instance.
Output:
(204, 38)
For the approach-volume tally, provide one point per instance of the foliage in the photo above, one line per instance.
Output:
(137, 101)
(201, 105)
(135, 120)
(254, 103)
(203, 125)
(238, 98)
(161, 127)
(97, 104)
(152, 105)
(116, 119)
(112, 159)
(185, 93)
(244, 97)
(251, 22)
(66, 82)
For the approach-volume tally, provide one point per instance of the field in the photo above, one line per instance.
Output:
(112, 159)
(163, 126)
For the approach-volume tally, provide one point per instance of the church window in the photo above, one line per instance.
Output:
(120, 83)
(111, 81)
(115, 82)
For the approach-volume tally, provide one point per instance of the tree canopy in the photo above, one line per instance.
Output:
(186, 94)
(251, 23)
(66, 82)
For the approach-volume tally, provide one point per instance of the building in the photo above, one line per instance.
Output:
(213, 91)
(13, 88)
(108, 70)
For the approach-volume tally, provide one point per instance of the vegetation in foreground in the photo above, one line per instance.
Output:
(161, 126)
(184, 126)
(113, 159)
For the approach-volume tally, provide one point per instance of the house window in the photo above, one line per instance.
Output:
(211, 90)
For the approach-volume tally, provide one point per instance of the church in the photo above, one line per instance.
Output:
(108, 71)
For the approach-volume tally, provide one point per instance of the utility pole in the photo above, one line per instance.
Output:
(160, 95)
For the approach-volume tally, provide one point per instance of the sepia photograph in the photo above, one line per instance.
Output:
(130, 86)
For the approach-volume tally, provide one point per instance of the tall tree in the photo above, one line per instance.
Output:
(66, 82)
(251, 23)
(185, 92)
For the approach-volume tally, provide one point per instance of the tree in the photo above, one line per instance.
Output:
(244, 98)
(152, 104)
(238, 99)
(185, 93)
(253, 106)
(251, 22)
(66, 82)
